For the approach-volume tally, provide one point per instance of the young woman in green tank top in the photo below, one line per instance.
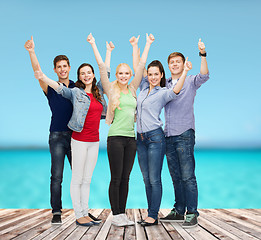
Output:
(121, 143)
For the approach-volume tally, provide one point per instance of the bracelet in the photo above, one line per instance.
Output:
(202, 54)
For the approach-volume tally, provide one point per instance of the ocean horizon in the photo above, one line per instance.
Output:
(227, 178)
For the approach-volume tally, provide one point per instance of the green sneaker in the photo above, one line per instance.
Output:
(173, 216)
(191, 221)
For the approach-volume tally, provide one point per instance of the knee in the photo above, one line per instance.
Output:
(115, 182)
(57, 176)
(86, 181)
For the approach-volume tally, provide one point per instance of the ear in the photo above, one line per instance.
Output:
(69, 68)
(55, 70)
(161, 75)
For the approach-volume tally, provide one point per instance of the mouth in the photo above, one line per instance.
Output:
(63, 73)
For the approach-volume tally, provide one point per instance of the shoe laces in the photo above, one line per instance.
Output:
(189, 217)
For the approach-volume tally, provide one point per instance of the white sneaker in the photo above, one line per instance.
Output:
(119, 221)
(125, 218)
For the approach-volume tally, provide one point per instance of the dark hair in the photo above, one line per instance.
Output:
(176, 54)
(80, 84)
(60, 58)
(158, 64)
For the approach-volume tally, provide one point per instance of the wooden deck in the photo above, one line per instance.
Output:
(213, 224)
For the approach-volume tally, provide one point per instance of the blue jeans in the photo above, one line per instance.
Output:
(151, 149)
(181, 163)
(59, 145)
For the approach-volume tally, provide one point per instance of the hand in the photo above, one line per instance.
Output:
(133, 40)
(201, 46)
(187, 65)
(29, 45)
(39, 75)
(150, 39)
(90, 39)
(110, 46)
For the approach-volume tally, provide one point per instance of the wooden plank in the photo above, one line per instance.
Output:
(200, 233)
(62, 230)
(130, 233)
(18, 217)
(95, 230)
(13, 214)
(169, 228)
(23, 226)
(105, 228)
(7, 212)
(216, 219)
(184, 234)
(140, 233)
(81, 230)
(246, 216)
(156, 231)
(215, 230)
(254, 211)
(242, 225)
(115, 233)
(66, 221)
(35, 231)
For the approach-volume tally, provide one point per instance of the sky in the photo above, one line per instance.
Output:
(227, 107)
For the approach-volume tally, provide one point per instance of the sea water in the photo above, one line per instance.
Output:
(226, 179)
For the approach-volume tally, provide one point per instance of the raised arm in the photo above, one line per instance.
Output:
(135, 52)
(204, 64)
(109, 47)
(103, 72)
(29, 46)
(179, 85)
(141, 66)
(42, 77)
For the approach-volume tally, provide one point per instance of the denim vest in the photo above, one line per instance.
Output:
(81, 103)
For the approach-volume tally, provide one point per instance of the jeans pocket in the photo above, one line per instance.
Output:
(156, 138)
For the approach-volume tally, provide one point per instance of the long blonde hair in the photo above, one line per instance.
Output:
(116, 88)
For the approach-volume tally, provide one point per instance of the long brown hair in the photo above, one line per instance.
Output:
(80, 84)
(157, 63)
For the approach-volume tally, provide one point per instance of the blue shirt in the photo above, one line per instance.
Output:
(61, 109)
(149, 106)
(179, 114)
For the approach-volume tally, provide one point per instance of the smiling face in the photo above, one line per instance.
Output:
(154, 76)
(62, 70)
(176, 65)
(86, 75)
(123, 74)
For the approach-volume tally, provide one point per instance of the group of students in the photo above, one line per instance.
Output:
(74, 132)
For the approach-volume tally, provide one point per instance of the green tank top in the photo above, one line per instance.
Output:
(123, 122)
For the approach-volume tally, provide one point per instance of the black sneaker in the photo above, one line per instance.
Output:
(56, 219)
(173, 216)
(94, 219)
(191, 220)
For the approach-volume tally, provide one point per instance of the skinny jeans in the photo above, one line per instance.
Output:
(121, 153)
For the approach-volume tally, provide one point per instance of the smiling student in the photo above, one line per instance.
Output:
(89, 107)
(60, 134)
(180, 139)
(121, 143)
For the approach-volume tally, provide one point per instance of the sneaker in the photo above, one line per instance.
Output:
(56, 219)
(94, 219)
(173, 216)
(119, 221)
(128, 221)
(191, 220)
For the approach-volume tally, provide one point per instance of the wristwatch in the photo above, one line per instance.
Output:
(202, 54)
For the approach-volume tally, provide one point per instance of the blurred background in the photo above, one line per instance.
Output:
(227, 107)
